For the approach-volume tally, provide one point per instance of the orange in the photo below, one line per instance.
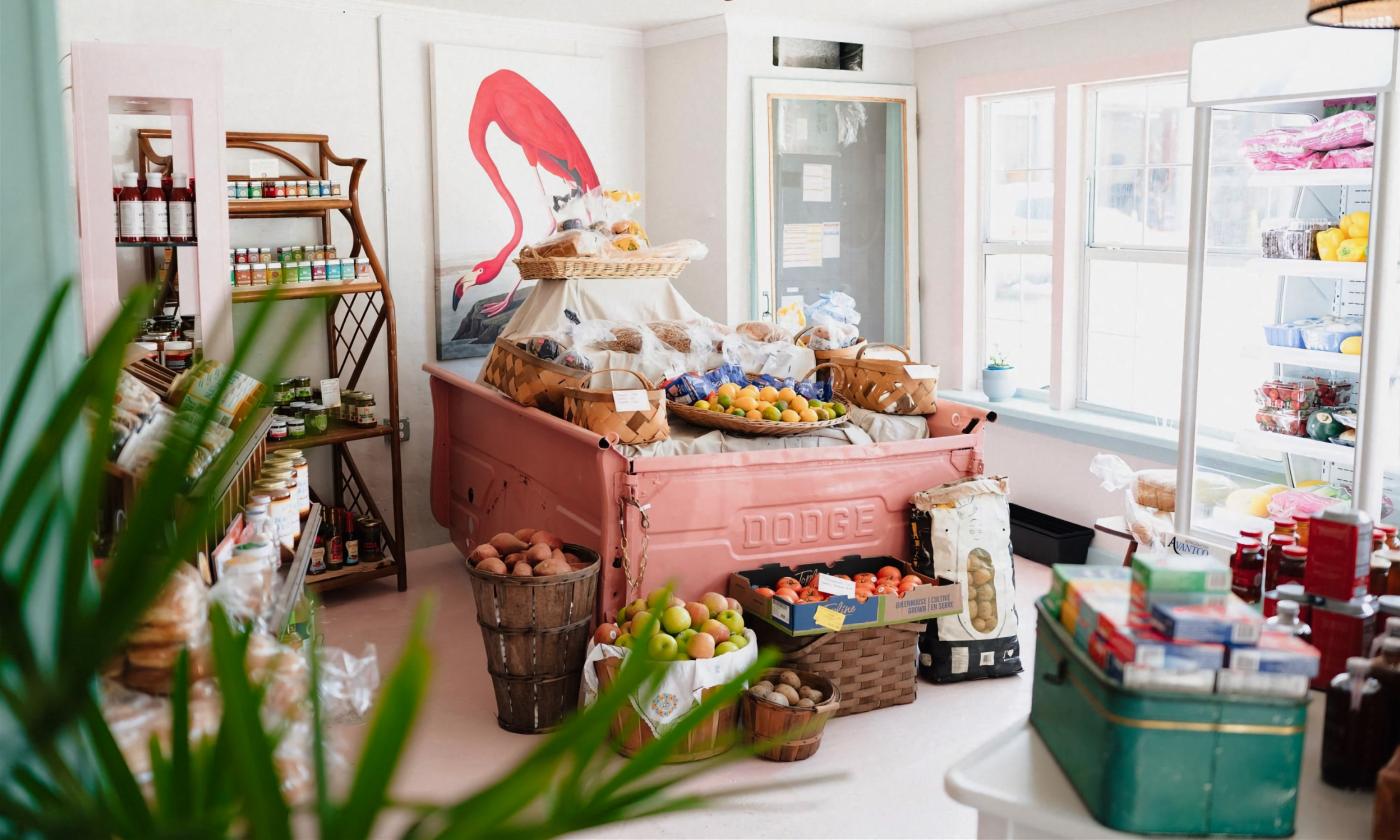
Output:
(768, 393)
(754, 414)
(789, 416)
(787, 394)
(797, 403)
(807, 415)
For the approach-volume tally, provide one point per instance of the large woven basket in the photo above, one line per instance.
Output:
(712, 736)
(884, 385)
(536, 631)
(801, 340)
(594, 410)
(874, 666)
(793, 733)
(730, 423)
(534, 267)
(528, 379)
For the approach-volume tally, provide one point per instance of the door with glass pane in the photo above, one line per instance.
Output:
(835, 203)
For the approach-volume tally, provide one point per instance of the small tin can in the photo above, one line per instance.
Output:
(325, 188)
(282, 189)
(240, 255)
(362, 268)
(270, 189)
(265, 255)
(371, 539)
(347, 268)
(255, 189)
(318, 269)
(274, 273)
(232, 190)
(242, 274)
(335, 188)
(259, 274)
(333, 270)
(240, 189)
(304, 272)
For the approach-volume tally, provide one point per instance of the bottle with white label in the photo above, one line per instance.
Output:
(155, 218)
(131, 221)
(181, 209)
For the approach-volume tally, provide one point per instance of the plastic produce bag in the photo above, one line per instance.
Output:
(833, 308)
(832, 336)
(348, 684)
(962, 533)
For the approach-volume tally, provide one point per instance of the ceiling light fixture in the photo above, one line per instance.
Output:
(1355, 14)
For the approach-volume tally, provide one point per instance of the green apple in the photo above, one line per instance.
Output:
(724, 647)
(738, 640)
(714, 602)
(623, 640)
(732, 620)
(642, 622)
(662, 647)
(659, 600)
(681, 656)
(675, 619)
(631, 610)
(683, 638)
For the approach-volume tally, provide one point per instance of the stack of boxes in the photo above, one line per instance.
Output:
(1171, 624)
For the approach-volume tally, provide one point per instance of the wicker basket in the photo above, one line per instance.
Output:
(711, 737)
(534, 267)
(730, 423)
(829, 355)
(536, 631)
(594, 410)
(766, 722)
(883, 385)
(528, 379)
(873, 666)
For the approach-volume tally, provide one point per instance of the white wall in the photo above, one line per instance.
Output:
(362, 78)
(1047, 472)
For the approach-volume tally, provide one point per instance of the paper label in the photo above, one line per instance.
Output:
(263, 167)
(921, 371)
(330, 392)
(830, 619)
(816, 182)
(632, 400)
(802, 245)
(835, 585)
(780, 610)
(831, 240)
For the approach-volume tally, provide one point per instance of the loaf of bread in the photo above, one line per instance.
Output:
(1156, 489)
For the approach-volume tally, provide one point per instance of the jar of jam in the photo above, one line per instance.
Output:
(283, 509)
(1392, 535)
(1247, 570)
(1292, 563)
(1301, 521)
(1355, 734)
(1274, 558)
(1284, 525)
(371, 539)
(318, 419)
(303, 385)
(364, 411)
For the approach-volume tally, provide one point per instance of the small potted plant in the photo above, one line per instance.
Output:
(999, 378)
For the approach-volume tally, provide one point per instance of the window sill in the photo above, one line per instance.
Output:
(1123, 435)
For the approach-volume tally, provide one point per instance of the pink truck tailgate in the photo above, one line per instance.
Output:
(691, 519)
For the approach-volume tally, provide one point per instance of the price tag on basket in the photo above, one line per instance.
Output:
(921, 371)
(829, 618)
(632, 400)
(835, 585)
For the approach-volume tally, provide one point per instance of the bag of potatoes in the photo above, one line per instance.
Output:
(962, 533)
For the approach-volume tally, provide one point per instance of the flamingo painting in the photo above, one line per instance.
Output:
(531, 121)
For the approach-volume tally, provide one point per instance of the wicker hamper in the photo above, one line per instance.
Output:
(528, 379)
(873, 667)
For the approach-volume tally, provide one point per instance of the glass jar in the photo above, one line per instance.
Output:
(282, 506)
(362, 268)
(294, 460)
(278, 430)
(296, 428)
(242, 274)
(178, 354)
(304, 272)
(318, 269)
(371, 539)
(333, 270)
(303, 386)
(318, 419)
(363, 411)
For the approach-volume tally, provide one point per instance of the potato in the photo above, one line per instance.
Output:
(806, 703)
(481, 552)
(790, 678)
(765, 685)
(543, 537)
(522, 570)
(508, 543)
(779, 699)
(492, 565)
(980, 577)
(538, 553)
(787, 691)
(524, 534)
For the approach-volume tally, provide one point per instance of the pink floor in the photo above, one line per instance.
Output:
(893, 760)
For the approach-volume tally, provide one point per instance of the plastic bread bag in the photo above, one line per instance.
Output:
(244, 591)
(618, 206)
(832, 336)
(790, 317)
(1149, 526)
(616, 336)
(571, 243)
(348, 684)
(284, 674)
(681, 249)
(698, 337)
(548, 346)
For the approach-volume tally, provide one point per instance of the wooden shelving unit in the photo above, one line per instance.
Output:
(359, 316)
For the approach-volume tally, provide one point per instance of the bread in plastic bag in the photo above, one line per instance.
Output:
(830, 336)
(1149, 526)
(348, 684)
(833, 308)
(571, 243)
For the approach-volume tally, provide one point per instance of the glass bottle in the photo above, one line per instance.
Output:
(155, 221)
(352, 539)
(1354, 744)
(1392, 535)
(1385, 669)
(1392, 631)
(181, 209)
(132, 225)
(319, 549)
(1248, 571)
(1287, 622)
(335, 548)
(1274, 559)
(1292, 565)
(1284, 526)
(260, 528)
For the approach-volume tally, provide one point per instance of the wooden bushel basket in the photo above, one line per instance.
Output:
(875, 667)
(714, 735)
(764, 721)
(829, 355)
(535, 632)
(594, 410)
(883, 385)
(528, 379)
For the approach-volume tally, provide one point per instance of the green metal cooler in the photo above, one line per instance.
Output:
(1162, 763)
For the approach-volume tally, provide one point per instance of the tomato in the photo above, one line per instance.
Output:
(889, 572)
(787, 594)
(886, 589)
(788, 582)
(764, 591)
(865, 577)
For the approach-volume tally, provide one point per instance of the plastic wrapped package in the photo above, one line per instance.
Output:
(1358, 158)
(1268, 162)
(616, 336)
(1291, 239)
(285, 675)
(1275, 141)
(681, 249)
(778, 358)
(689, 337)
(1150, 526)
(134, 717)
(832, 336)
(1292, 394)
(1283, 421)
(1329, 335)
(134, 396)
(1289, 333)
(572, 243)
(1339, 131)
(763, 331)
(348, 684)
(245, 591)
(1311, 501)
(175, 621)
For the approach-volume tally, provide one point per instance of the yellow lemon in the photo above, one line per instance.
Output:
(797, 403)
(754, 414)
(703, 405)
(772, 413)
(786, 395)
(1351, 345)
(823, 413)
(746, 402)
(729, 389)
(715, 406)
(807, 415)
(768, 394)
(789, 416)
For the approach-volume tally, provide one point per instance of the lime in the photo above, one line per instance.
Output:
(702, 405)
(725, 400)
(781, 405)
(737, 412)
(772, 413)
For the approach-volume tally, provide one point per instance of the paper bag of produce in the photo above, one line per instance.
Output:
(962, 533)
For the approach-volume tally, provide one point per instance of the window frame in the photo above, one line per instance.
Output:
(985, 244)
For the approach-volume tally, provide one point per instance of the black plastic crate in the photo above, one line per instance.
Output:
(1048, 539)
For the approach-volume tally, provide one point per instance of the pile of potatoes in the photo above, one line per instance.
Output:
(529, 552)
(788, 691)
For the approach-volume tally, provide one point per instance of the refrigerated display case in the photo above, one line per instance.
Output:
(1266, 389)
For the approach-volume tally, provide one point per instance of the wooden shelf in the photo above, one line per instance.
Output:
(296, 291)
(1311, 178)
(350, 575)
(291, 577)
(1332, 269)
(157, 244)
(271, 208)
(336, 434)
(1258, 439)
(1319, 359)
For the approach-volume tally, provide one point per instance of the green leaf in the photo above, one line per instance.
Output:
(119, 788)
(14, 406)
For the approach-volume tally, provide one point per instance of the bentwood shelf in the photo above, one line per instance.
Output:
(360, 321)
(272, 208)
(298, 291)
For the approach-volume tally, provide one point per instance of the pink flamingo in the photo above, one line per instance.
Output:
(527, 118)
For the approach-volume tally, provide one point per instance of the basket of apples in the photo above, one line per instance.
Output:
(705, 645)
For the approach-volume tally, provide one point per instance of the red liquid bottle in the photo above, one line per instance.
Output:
(181, 209)
(155, 217)
(131, 222)
(1274, 558)
(1247, 570)
(1354, 731)
(1292, 565)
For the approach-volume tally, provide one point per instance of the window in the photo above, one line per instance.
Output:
(1017, 194)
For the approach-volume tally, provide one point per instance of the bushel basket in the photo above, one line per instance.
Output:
(595, 410)
(536, 631)
(712, 736)
(526, 378)
(873, 667)
(794, 732)
(885, 385)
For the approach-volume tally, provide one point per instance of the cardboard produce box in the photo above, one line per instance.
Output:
(931, 599)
